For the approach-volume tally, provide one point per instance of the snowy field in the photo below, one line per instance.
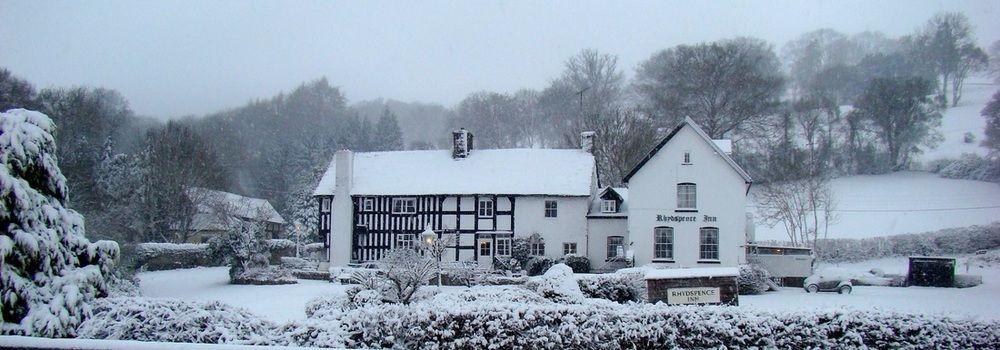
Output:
(966, 117)
(903, 202)
(287, 302)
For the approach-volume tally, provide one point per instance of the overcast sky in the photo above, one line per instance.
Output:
(180, 58)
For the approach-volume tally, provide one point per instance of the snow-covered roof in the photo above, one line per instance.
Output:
(689, 122)
(595, 204)
(693, 272)
(557, 172)
(210, 202)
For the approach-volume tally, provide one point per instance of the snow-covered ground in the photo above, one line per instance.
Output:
(276, 303)
(902, 202)
(966, 117)
(287, 302)
(978, 302)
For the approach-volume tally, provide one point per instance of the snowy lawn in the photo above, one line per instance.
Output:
(276, 303)
(978, 302)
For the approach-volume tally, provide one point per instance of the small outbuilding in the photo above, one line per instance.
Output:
(931, 271)
(701, 286)
(788, 266)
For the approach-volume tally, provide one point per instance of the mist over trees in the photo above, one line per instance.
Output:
(822, 105)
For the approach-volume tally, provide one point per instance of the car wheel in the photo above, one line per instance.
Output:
(844, 290)
(812, 288)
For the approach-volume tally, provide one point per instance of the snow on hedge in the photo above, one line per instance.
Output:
(49, 271)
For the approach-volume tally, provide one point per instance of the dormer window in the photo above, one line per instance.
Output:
(687, 157)
(609, 206)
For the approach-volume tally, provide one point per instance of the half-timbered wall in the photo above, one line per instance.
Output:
(376, 230)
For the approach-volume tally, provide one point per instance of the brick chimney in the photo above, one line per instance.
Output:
(461, 143)
(587, 141)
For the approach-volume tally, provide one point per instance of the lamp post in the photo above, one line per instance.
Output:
(430, 240)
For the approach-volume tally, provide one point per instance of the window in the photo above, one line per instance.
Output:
(551, 209)
(536, 248)
(709, 243)
(503, 246)
(404, 205)
(404, 240)
(368, 204)
(569, 248)
(687, 157)
(325, 206)
(616, 247)
(663, 243)
(609, 206)
(687, 196)
(485, 248)
(485, 207)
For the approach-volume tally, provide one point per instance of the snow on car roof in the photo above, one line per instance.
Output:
(692, 272)
(559, 172)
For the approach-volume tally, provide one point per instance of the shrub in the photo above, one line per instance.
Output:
(172, 320)
(462, 273)
(243, 246)
(947, 241)
(619, 288)
(500, 280)
(579, 264)
(752, 280)
(538, 265)
(972, 167)
(557, 284)
(267, 275)
(168, 256)
(297, 263)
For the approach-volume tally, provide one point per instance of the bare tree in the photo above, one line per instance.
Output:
(624, 137)
(591, 84)
(407, 270)
(805, 207)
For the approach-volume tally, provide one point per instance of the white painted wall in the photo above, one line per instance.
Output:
(721, 193)
(600, 229)
(569, 226)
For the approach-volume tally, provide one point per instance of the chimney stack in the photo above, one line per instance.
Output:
(461, 143)
(587, 141)
(342, 225)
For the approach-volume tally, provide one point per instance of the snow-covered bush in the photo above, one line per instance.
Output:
(172, 320)
(491, 279)
(617, 287)
(579, 264)
(971, 167)
(463, 273)
(292, 262)
(265, 275)
(752, 280)
(167, 256)
(243, 246)
(557, 284)
(406, 271)
(538, 265)
(49, 271)
(441, 324)
(280, 248)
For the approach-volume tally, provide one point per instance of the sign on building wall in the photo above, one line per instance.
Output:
(706, 295)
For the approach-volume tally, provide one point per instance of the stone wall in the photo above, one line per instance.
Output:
(658, 289)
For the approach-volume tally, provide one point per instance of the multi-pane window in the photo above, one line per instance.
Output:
(325, 206)
(485, 207)
(404, 240)
(551, 209)
(485, 248)
(503, 246)
(687, 195)
(709, 243)
(404, 205)
(687, 157)
(616, 247)
(569, 248)
(609, 206)
(663, 243)
(368, 204)
(536, 248)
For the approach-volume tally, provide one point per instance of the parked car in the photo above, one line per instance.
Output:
(831, 280)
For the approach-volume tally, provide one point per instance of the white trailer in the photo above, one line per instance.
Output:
(788, 266)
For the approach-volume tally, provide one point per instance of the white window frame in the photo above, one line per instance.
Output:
(368, 204)
(405, 240)
(325, 205)
(569, 248)
(614, 253)
(554, 209)
(536, 248)
(405, 205)
(708, 250)
(609, 206)
(485, 207)
(503, 247)
(666, 245)
(687, 199)
(488, 248)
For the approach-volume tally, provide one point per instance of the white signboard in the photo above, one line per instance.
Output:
(700, 295)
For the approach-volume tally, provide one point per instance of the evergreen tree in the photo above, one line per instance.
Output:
(992, 114)
(387, 135)
(904, 118)
(49, 271)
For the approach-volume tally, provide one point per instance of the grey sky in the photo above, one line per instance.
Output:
(195, 57)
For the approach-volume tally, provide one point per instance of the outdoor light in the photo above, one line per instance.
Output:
(429, 236)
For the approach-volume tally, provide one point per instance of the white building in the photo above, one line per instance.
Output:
(372, 202)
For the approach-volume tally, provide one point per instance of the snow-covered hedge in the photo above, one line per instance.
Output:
(557, 284)
(168, 256)
(579, 264)
(968, 167)
(172, 320)
(751, 280)
(617, 287)
(439, 324)
(265, 275)
(959, 240)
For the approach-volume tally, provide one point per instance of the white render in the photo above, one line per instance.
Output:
(569, 226)
(721, 193)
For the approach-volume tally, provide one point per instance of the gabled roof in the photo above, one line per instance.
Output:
(595, 204)
(555, 172)
(688, 122)
(210, 202)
